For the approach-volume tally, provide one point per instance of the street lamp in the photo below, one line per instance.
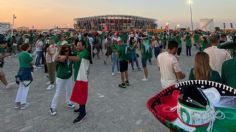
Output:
(177, 27)
(190, 2)
(13, 23)
(167, 27)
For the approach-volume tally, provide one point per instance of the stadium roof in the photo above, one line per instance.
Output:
(116, 16)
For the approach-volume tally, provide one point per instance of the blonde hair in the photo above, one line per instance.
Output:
(202, 69)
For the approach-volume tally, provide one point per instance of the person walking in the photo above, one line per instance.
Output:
(188, 41)
(114, 57)
(81, 70)
(179, 41)
(39, 52)
(123, 61)
(169, 66)
(51, 53)
(24, 76)
(217, 56)
(133, 54)
(63, 78)
(146, 53)
(3, 47)
(156, 43)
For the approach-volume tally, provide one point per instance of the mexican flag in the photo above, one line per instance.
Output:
(80, 90)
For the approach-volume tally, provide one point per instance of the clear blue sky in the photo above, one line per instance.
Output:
(47, 13)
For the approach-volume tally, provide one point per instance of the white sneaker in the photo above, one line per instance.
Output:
(113, 74)
(70, 105)
(145, 79)
(51, 86)
(24, 106)
(17, 106)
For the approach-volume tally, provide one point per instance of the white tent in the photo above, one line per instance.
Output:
(207, 25)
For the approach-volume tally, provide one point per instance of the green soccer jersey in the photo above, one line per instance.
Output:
(124, 37)
(25, 60)
(58, 43)
(178, 40)
(214, 76)
(123, 52)
(64, 70)
(196, 38)
(146, 50)
(114, 47)
(228, 73)
(55, 38)
(204, 45)
(86, 40)
(188, 41)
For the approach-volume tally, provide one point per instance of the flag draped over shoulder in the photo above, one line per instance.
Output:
(80, 91)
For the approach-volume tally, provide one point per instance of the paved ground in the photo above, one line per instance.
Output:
(110, 109)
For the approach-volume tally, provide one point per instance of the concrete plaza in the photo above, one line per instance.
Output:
(109, 108)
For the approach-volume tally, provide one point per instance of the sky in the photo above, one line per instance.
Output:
(50, 13)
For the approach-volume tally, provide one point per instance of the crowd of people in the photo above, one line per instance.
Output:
(66, 57)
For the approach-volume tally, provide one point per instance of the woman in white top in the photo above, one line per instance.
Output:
(39, 51)
(51, 53)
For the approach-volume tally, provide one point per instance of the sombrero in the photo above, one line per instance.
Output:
(196, 105)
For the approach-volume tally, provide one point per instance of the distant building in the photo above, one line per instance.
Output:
(207, 25)
(114, 23)
(23, 29)
(4, 27)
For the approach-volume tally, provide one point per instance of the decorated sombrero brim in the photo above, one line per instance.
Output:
(166, 107)
(227, 45)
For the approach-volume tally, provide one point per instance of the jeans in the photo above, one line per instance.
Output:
(115, 62)
(22, 92)
(134, 59)
(39, 58)
(165, 44)
(188, 50)
(62, 83)
(157, 51)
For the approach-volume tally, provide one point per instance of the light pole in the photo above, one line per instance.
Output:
(177, 27)
(167, 27)
(13, 23)
(190, 2)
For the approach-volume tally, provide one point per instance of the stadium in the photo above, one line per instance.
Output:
(114, 23)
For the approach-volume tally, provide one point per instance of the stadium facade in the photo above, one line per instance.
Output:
(114, 23)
